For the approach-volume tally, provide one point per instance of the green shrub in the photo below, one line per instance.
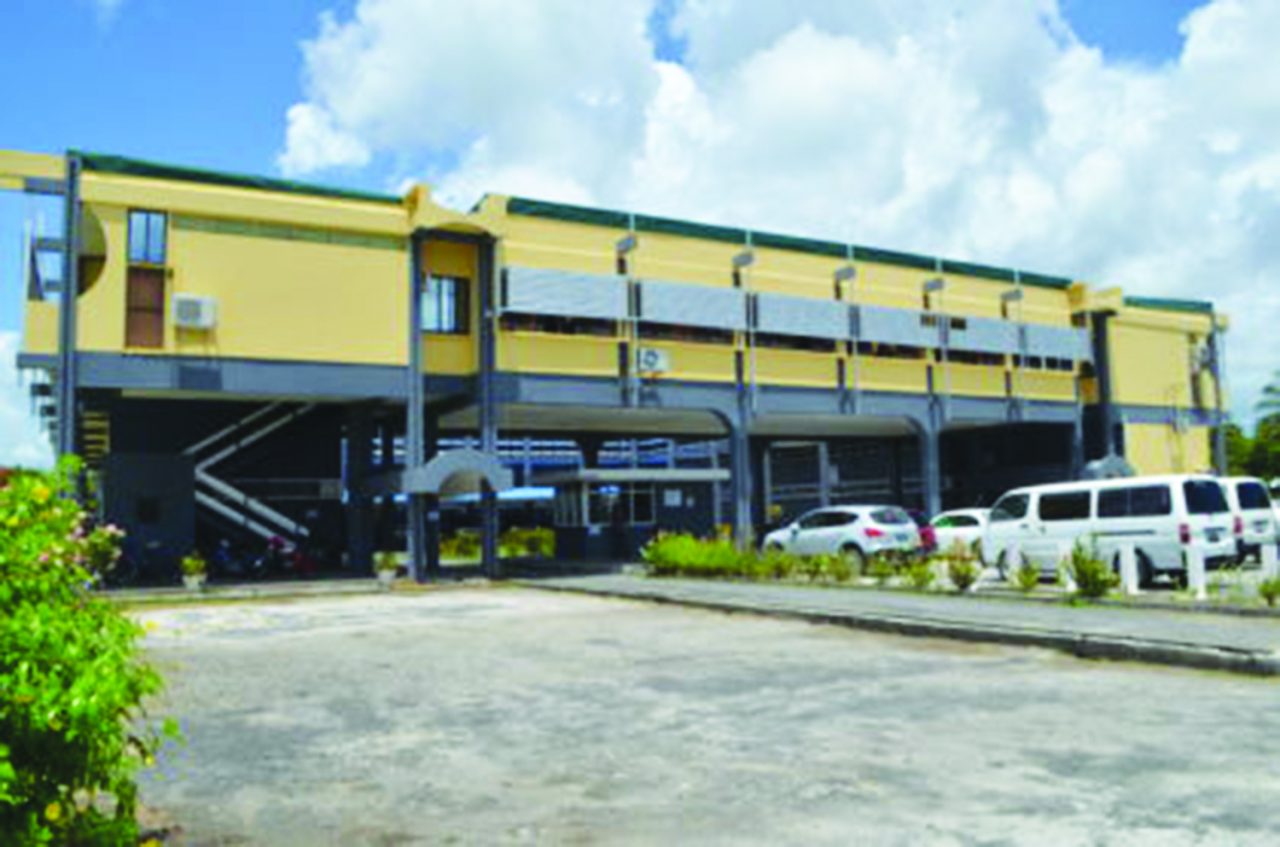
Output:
(1026, 576)
(882, 567)
(1092, 575)
(813, 567)
(838, 568)
(193, 564)
(963, 567)
(73, 731)
(775, 564)
(523, 542)
(1269, 590)
(921, 574)
(386, 561)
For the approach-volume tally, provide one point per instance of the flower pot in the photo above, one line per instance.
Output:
(193, 582)
(385, 578)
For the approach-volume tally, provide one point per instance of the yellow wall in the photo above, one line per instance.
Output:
(40, 328)
(1159, 448)
(1151, 360)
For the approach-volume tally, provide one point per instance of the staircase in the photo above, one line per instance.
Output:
(229, 503)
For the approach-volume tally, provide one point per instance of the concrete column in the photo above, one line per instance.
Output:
(1196, 580)
(759, 451)
(590, 447)
(1128, 568)
(359, 447)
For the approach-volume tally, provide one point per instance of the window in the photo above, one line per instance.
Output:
(1253, 496)
(1146, 501)
(147, 237)
(955, 521)
(555, 324)
(1010, 508)
(777, 341)
(821, 520)
(1204, 497)
(693, 334)
(1071, 506)
(444, 305)
(891, 516)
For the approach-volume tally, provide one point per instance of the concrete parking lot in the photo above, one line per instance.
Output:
(481, 716)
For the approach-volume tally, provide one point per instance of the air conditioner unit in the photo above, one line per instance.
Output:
(650, 360)
(193, 312)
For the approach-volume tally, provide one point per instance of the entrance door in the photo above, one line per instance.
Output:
(144, 313)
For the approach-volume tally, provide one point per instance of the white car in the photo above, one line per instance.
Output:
(1253, 521)
(964, 525)
(1164, 517)
(853, 531)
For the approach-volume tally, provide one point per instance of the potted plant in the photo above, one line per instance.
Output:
(385, 565)
(194, 571)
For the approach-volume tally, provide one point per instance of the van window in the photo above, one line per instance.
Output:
(1144, 501)
(1252, 496)
(1010, 508)
(1204, 497)
(1071, 506)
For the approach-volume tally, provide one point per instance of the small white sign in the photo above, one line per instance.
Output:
(671, 498)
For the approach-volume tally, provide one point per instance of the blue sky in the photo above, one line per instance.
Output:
(209, 83)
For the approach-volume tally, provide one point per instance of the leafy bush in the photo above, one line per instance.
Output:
(1026, 576)
(464, 544)
(1092, 575)
(921, 574)
(193, 564)
(73, 731)
(882, 568)
(528, 541)
(838, 568)
(963, 567)
(1269, 590)
(386, 561)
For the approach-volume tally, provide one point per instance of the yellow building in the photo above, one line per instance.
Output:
(236, 337)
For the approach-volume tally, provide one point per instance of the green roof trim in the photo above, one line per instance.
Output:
(1170, 304)
(105, 163)
(669, 226)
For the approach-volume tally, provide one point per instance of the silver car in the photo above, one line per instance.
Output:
(853, 531)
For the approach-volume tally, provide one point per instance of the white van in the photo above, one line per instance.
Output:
(1162, 515)
(1254, 522)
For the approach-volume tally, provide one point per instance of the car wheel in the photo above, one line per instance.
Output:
(855, 557)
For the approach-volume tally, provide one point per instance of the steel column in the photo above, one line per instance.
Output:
(931, 469)
(415, 508)
(486, 267)
(1217, 351)
(359, 463)
(824, 473)
(68, 299)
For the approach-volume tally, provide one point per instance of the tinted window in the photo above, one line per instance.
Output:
(1010, 508)
(1252, 496)
(1146, 501)
(818, 520)
(890, 516)
(1072, 506)
(951, 521)
(1204, 497)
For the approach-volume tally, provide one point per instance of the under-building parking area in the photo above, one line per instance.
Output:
(517, 716)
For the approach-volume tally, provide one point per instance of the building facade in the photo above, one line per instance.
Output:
(282, 358)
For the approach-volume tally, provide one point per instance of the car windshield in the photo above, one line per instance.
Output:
(1010, 508)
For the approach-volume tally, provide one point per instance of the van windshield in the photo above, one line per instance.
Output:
(1204, 497)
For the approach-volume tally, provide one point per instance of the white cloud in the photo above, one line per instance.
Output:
(21, 441)
(979, 129)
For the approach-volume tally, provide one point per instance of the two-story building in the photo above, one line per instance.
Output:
(282, 358)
